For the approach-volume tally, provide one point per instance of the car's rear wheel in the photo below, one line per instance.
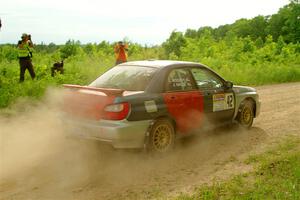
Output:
(162, 136)
(246, 114)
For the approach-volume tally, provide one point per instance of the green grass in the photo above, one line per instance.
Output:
(276, 176)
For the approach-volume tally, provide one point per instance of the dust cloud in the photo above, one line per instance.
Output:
(38, 154)
(35, 148)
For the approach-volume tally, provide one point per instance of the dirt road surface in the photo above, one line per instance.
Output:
(38, 160)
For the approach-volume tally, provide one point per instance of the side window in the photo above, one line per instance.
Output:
(206, 79)
(179, 80)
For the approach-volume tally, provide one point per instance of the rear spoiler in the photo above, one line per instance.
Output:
(107, 91)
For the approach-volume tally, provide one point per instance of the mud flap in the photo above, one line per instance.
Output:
(147, 135)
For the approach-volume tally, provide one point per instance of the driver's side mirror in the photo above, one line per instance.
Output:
(228, 84)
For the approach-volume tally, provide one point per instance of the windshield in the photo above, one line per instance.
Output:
(132, 78)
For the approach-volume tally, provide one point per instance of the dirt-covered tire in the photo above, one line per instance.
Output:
(246, 114)
(162, 136)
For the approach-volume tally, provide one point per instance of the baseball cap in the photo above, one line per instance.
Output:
(24, 35)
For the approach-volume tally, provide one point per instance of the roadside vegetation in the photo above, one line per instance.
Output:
(262, 50)
(276, 175)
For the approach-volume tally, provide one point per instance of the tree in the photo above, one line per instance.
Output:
(71, 48)
(292, 24)
(286, 23)
(279, 45)
(90, 49)
(248, 45)
(242, 28)
(105, 47)
(191, 33)
(174, 43)
(258, 27)
(221, 31)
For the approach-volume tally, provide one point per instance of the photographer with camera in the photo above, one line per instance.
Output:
(25, 48)
(120, 52)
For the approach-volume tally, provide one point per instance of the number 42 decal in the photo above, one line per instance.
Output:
(229, 100)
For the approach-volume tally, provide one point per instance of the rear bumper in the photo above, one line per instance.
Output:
(120, 134)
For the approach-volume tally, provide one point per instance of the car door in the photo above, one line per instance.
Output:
(183, 100)
(218, 100)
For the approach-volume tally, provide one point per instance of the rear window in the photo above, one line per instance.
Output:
(132, 78)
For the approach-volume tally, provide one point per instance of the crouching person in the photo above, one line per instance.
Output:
(58, 67)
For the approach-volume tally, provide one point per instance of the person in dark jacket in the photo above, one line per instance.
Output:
(25, 49)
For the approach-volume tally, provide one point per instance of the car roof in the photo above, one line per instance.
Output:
(159, 63)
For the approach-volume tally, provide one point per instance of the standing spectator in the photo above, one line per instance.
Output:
(121, 52)
(25, 48)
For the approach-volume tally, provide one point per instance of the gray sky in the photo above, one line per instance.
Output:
(146, 22)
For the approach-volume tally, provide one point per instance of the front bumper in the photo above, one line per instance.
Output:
(120, 134)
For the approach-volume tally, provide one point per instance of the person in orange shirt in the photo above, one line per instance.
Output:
(121, 52)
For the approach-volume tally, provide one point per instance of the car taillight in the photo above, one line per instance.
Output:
(116, 111)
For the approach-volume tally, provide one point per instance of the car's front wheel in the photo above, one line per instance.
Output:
(246, 114)
(162, 136)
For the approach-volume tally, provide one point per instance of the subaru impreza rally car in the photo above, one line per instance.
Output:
(150, 103)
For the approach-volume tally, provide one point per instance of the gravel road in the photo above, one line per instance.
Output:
(38, 160)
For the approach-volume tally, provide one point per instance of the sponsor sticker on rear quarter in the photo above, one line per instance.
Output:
(150, 106)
